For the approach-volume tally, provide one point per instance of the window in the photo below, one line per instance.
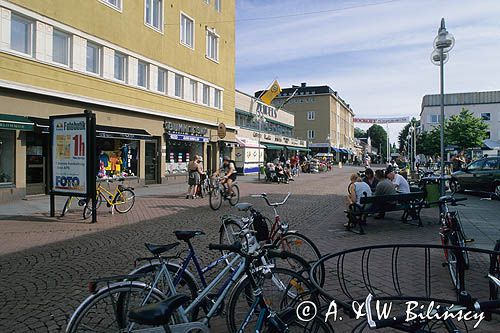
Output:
(187, 31)
(194, 90)
(7, 156)
(60, 47)
(93, 58)
(488, 135)
(162, 80)
(491, 164)
(117, 4)
(206, 95)
(218, 99)
(434, 118)
(142, 74)
(212, 45)
(475, 165)
(120, 66)
(207, 2)
(218, 5)
(154, 14)
(311, 115)
(486, 116)
(21, 34)
(179, 86)
(310, 134)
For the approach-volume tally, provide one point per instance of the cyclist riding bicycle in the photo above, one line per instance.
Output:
(229, 168)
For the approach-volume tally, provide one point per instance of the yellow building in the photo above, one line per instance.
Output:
(159, 75)
(321, 117)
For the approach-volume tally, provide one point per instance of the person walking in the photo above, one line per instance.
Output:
(194, 172)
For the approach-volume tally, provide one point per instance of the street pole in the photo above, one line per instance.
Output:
(441, 121)
(259, 150)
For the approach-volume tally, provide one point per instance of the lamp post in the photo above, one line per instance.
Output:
(329, 145)
(260, 119)
(443, 43)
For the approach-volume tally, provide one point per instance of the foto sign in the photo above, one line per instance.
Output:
(69, 154)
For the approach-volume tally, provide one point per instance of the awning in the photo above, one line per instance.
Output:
(13, 122)
(335, 149)
(298, 148)
(274, 147)
(342, 150)
(102, 131)
(192, 138)
(248, 143)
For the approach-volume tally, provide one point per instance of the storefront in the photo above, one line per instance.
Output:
(183, 142)
(249, 155)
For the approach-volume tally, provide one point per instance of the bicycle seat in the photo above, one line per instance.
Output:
(158, 314)
(158, 249)
(243, 206)
(187, 234)
(446, 198)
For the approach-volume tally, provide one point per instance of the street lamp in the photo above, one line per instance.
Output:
(260, 119)
(443, 43)
(329, 145)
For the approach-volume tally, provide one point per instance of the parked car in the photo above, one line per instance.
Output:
(481, 175)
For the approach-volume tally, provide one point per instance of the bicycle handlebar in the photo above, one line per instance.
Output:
(235, 247)
(447, 199)
(275, 204)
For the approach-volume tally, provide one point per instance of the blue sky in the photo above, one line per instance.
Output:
(376, 54)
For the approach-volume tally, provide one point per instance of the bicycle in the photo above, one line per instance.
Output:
(451, 233)
(219, 193)
(122, 199)
(280, 236)
(81, 202)
(161, 272)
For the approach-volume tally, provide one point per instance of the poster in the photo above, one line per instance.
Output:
(69, 149)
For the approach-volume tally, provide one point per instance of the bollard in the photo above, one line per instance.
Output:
(340, 165)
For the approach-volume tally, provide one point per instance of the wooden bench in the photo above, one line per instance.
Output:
(409, 203)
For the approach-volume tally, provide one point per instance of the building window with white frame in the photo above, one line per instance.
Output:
(207, 2)
(486, 116)
(218, 99)
(61, 47)
(212, 45)
(162, 80)
(434, 118)
(179, 86)
(21, 34)
(117, 4)
(310, 134)
(93, 60)
(194, 90)
(311, 115)
(187, 31)
(206, 95)
(142, 74)
(154, 14)
(120, 69)
(218, 5)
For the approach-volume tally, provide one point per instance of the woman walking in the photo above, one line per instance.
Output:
(194, 172)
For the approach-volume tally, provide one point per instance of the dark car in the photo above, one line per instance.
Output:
(482, 175)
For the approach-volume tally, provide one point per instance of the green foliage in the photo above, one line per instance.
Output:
(359, 133)
(464, 130)
(428, 143)
(402, 137)
(378, 137)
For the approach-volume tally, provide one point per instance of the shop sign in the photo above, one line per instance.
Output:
(184, 128)
(221, 131)
(69, 155)
(267, 137)
(192, 138)
(277, 139)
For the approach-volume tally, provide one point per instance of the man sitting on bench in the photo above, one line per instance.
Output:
(399, 181)
(384, 187)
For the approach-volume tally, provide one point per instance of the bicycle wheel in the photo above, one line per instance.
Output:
(284, 288)
(186, 284)
(215, 198)
(317, 325)
(228, 231)
(452, 260)
(302, 246)
(67, 204)
(87, 205)
(461, 240)
(124, 200)
(101, 312)
(235, 198)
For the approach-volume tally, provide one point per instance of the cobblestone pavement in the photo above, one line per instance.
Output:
(40, 287)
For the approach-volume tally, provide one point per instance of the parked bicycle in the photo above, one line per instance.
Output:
(219, 193)
(121, 199)
(67, 205)
(452, 233)
(279, 234)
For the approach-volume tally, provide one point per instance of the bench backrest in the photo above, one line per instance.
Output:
(400, 198)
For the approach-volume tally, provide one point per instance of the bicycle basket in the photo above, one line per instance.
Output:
(260, 226)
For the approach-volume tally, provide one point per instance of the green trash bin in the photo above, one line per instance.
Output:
(432, 192)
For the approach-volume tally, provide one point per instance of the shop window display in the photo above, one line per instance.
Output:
(179, 154)
(7, 156)
(117, 158)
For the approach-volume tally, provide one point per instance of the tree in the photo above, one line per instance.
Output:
(465, 131)
(428, 143)
(359, 133)
(378, 137)
(403, 134)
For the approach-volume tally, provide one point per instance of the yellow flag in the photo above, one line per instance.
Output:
(270, 94)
